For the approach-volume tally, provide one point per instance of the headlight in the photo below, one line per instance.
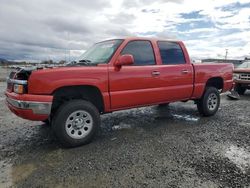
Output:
(236, 76)
(18, 88)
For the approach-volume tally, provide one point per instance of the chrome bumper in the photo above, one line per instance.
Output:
(36, 107)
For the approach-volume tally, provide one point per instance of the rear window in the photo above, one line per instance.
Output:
(171, 53)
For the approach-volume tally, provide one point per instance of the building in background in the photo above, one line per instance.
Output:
(236, 62)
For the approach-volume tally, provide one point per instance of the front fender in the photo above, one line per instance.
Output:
(47, 81)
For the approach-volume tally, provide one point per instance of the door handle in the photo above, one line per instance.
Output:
(184, 71)
(155, 73)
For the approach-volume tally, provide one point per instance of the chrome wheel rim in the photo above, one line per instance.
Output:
(212, 101)
(79, 124)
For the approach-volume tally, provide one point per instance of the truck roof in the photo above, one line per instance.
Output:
(146, 38)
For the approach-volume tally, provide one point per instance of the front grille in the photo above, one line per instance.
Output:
(245, 76)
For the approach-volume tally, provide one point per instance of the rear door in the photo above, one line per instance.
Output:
(176, 72)
(137, 84)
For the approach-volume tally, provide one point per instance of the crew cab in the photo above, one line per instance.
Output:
(242, 77)
(114, 75)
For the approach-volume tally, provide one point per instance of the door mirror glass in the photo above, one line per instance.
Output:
(125, 59)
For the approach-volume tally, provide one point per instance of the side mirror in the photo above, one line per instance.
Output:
(126, 59)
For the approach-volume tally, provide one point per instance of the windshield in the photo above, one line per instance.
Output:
(245, 65)
(100, 52)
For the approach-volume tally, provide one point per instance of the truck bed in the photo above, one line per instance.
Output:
(203, 72)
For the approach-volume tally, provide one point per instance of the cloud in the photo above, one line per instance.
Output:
(122, 18)
(139, 3)
(38, 30)
(67, 25)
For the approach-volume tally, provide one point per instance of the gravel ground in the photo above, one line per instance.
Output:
(145, 147)
(4, 72)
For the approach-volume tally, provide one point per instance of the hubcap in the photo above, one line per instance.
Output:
(212, 101)
(79, 124)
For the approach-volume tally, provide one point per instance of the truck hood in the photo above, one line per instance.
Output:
(23, 73)
(46, 81)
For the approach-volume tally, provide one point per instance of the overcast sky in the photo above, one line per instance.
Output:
(48, 29)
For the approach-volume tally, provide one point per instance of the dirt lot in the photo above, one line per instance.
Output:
(3, 73)
(146, 147)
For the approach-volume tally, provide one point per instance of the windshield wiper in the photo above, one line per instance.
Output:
(81, 62)
(85, 61)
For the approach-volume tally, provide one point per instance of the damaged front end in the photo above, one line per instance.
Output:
(20, 101)
(18, 80)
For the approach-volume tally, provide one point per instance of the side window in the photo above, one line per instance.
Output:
(142, 52)
(171, 53)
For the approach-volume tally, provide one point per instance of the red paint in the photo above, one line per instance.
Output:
(128, 86)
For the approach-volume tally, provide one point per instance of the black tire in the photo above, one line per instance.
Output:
(239, 89)
(47, 122)
(209, 103)
(67, 113)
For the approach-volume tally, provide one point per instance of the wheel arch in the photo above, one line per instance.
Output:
(86, 92)
(216, 82)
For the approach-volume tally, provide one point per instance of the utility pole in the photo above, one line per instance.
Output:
(226, 54)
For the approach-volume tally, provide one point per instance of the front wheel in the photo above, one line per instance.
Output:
(209, 103)
(76, 123)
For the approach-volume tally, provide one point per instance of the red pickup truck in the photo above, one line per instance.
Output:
(114, 75)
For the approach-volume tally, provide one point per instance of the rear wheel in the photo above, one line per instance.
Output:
(239, 89)
(76, 123)
(209, 103)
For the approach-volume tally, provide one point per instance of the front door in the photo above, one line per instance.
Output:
(136, 84)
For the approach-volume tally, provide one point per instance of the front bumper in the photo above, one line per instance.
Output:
(32, 107)
(245, 84)
(242, 82)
